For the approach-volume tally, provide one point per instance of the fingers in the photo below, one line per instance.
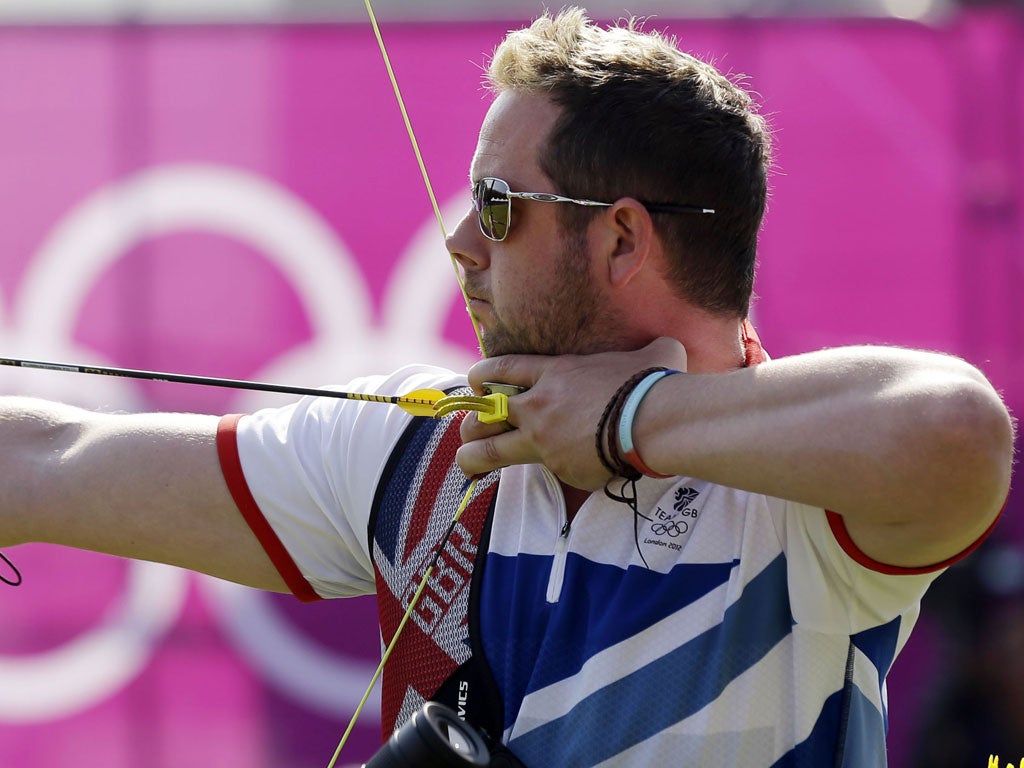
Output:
(525, 370)
(474, 429)
(520, 370)
(667, 352)
(483, 455)
(554, 421)
(483, 449)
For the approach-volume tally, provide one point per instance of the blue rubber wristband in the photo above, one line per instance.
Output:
(625, 431)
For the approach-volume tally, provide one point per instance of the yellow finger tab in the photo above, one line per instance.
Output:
(490, 409)
(499, 402)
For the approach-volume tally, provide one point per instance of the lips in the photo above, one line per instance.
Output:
(475, 296)
(479, 308)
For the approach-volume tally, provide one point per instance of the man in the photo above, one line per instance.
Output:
(737, 601)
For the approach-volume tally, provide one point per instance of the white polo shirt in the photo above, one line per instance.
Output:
(755, 634)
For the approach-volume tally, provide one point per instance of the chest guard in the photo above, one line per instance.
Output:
(439, 656)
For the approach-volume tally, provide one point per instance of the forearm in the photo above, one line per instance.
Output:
(913, 449)
(146, 486)
(884, 437)
(35, 436)
(73, 477)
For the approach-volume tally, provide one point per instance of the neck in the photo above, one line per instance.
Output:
(574, 498)
(650, 307)
(713, 344)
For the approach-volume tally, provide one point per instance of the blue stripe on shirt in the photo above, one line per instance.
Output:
(640, 705)
(539, 643)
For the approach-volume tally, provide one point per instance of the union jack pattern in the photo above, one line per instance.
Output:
(417, 497)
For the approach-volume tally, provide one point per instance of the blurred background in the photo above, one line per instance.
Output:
(224, 187)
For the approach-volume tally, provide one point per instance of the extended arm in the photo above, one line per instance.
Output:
(913, 449)
(146, 486)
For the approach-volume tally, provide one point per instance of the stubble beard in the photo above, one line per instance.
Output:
(571, 319)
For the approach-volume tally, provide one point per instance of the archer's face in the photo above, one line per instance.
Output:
(533, 292)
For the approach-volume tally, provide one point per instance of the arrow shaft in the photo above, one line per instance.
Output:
(208, 381)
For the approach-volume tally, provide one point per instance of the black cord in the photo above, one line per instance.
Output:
(627, 496)
(14, 569)
(608, 450)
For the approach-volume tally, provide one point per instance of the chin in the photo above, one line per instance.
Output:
(496, 347)
(542, 339)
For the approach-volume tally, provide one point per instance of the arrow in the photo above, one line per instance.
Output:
(418, 403)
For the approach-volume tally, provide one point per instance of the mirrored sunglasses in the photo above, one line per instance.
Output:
(492, 200)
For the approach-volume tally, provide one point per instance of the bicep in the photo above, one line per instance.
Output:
(145, 486)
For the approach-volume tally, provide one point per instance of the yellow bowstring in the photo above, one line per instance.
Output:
(476, 329)
(398, 630)
(422, 165)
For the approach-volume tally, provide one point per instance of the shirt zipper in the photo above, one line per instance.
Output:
(557, 575)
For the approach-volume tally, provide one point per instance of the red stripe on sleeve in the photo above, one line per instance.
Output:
(231, 467)
(838, 526)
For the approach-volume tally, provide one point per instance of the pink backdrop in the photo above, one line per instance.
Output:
(243, 202)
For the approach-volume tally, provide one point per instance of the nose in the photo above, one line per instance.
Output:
(467, 245)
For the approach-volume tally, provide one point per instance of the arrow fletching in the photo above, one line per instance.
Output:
(419, 402)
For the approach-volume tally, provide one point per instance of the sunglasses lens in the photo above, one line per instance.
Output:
(490, 198)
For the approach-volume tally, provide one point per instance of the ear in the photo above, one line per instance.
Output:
(629, 240)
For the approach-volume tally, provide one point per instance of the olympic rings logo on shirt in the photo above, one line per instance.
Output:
(671, 528)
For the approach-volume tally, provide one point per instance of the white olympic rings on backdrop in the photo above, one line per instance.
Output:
(86, 243)
(102, 660)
